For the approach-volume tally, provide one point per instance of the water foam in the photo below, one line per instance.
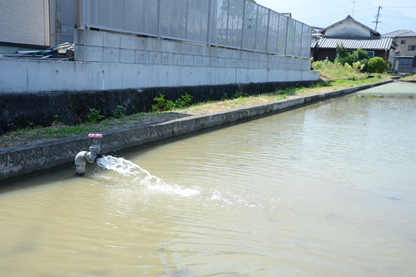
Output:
(142, 177)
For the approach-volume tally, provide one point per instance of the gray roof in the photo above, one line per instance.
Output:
(400, 33)
(367, 43)
(349, 18)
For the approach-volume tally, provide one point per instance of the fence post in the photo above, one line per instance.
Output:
(308, 53)
(228, 19)
(278, 33)
(209, 23)
(301, 41)
(80, 14)
(287, 34)
(243, 25)
(158, 18)
(186, 19)
(255, 31)
(124, 14)
(268, 30)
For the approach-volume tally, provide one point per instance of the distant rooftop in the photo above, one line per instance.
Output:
(373, 43)
(349, 18)
(400, 33)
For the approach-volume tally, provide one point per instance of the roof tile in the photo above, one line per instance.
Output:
(373, 43)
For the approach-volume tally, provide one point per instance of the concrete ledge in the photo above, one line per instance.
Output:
(20, 161)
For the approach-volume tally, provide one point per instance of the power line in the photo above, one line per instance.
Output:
(353, 8)
(394, 7)
(335, 14)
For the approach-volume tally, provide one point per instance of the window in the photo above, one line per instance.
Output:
(405, 62)
(403, 41)
(412, 48)
(370, 54)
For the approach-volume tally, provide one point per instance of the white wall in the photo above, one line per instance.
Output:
(404, 48)
(348, 29)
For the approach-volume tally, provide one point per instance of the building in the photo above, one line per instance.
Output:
(41, 24)
(405, 51)
(353, 35)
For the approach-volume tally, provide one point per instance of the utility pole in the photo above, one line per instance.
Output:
(378, 15)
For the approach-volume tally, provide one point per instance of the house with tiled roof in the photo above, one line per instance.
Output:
(405, 51)
(353, 35)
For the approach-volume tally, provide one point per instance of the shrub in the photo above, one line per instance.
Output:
(351, 58)
(331, 70)
(318, 65)
(239, 94)
(376, 65)
(163, 104)
(119, 112)
(184, 101)
(343, 56)
(360, 55)
(94, 116)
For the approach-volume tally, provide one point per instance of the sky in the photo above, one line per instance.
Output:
(394, 15)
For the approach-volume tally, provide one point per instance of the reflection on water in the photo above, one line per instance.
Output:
(328, 189)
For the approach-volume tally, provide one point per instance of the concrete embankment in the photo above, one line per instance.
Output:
(21, 161)
(42, 108)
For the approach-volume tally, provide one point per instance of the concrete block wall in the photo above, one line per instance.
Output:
(187, 63)
(106, 47)
(108, 61)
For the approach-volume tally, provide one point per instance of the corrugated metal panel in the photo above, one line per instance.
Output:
(24, 22)
(377, 43)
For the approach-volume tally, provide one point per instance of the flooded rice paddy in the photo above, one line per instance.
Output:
(324, 190)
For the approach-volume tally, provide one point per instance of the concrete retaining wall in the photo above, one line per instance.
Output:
(18, 109)
(19, 161)
(108, 61)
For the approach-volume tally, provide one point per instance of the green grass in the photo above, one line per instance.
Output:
(69, 131)
(333, 71)
(409, 78)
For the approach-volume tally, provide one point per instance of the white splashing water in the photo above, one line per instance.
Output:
(142, 177)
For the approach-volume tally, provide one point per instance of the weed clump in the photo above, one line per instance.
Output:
(163, 104)
(333, 71)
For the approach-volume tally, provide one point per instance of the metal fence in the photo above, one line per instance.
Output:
(239, 24)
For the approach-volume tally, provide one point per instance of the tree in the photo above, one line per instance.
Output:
(360, 54)
(376, 65)
(359, 57)
(343, 56)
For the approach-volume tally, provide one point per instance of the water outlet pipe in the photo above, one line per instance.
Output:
(84, 157)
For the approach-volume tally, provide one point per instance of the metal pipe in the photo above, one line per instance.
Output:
(84, 157)
(80, 162)
(79, 15)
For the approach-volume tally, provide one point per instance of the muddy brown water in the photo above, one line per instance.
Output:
(324, 190)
